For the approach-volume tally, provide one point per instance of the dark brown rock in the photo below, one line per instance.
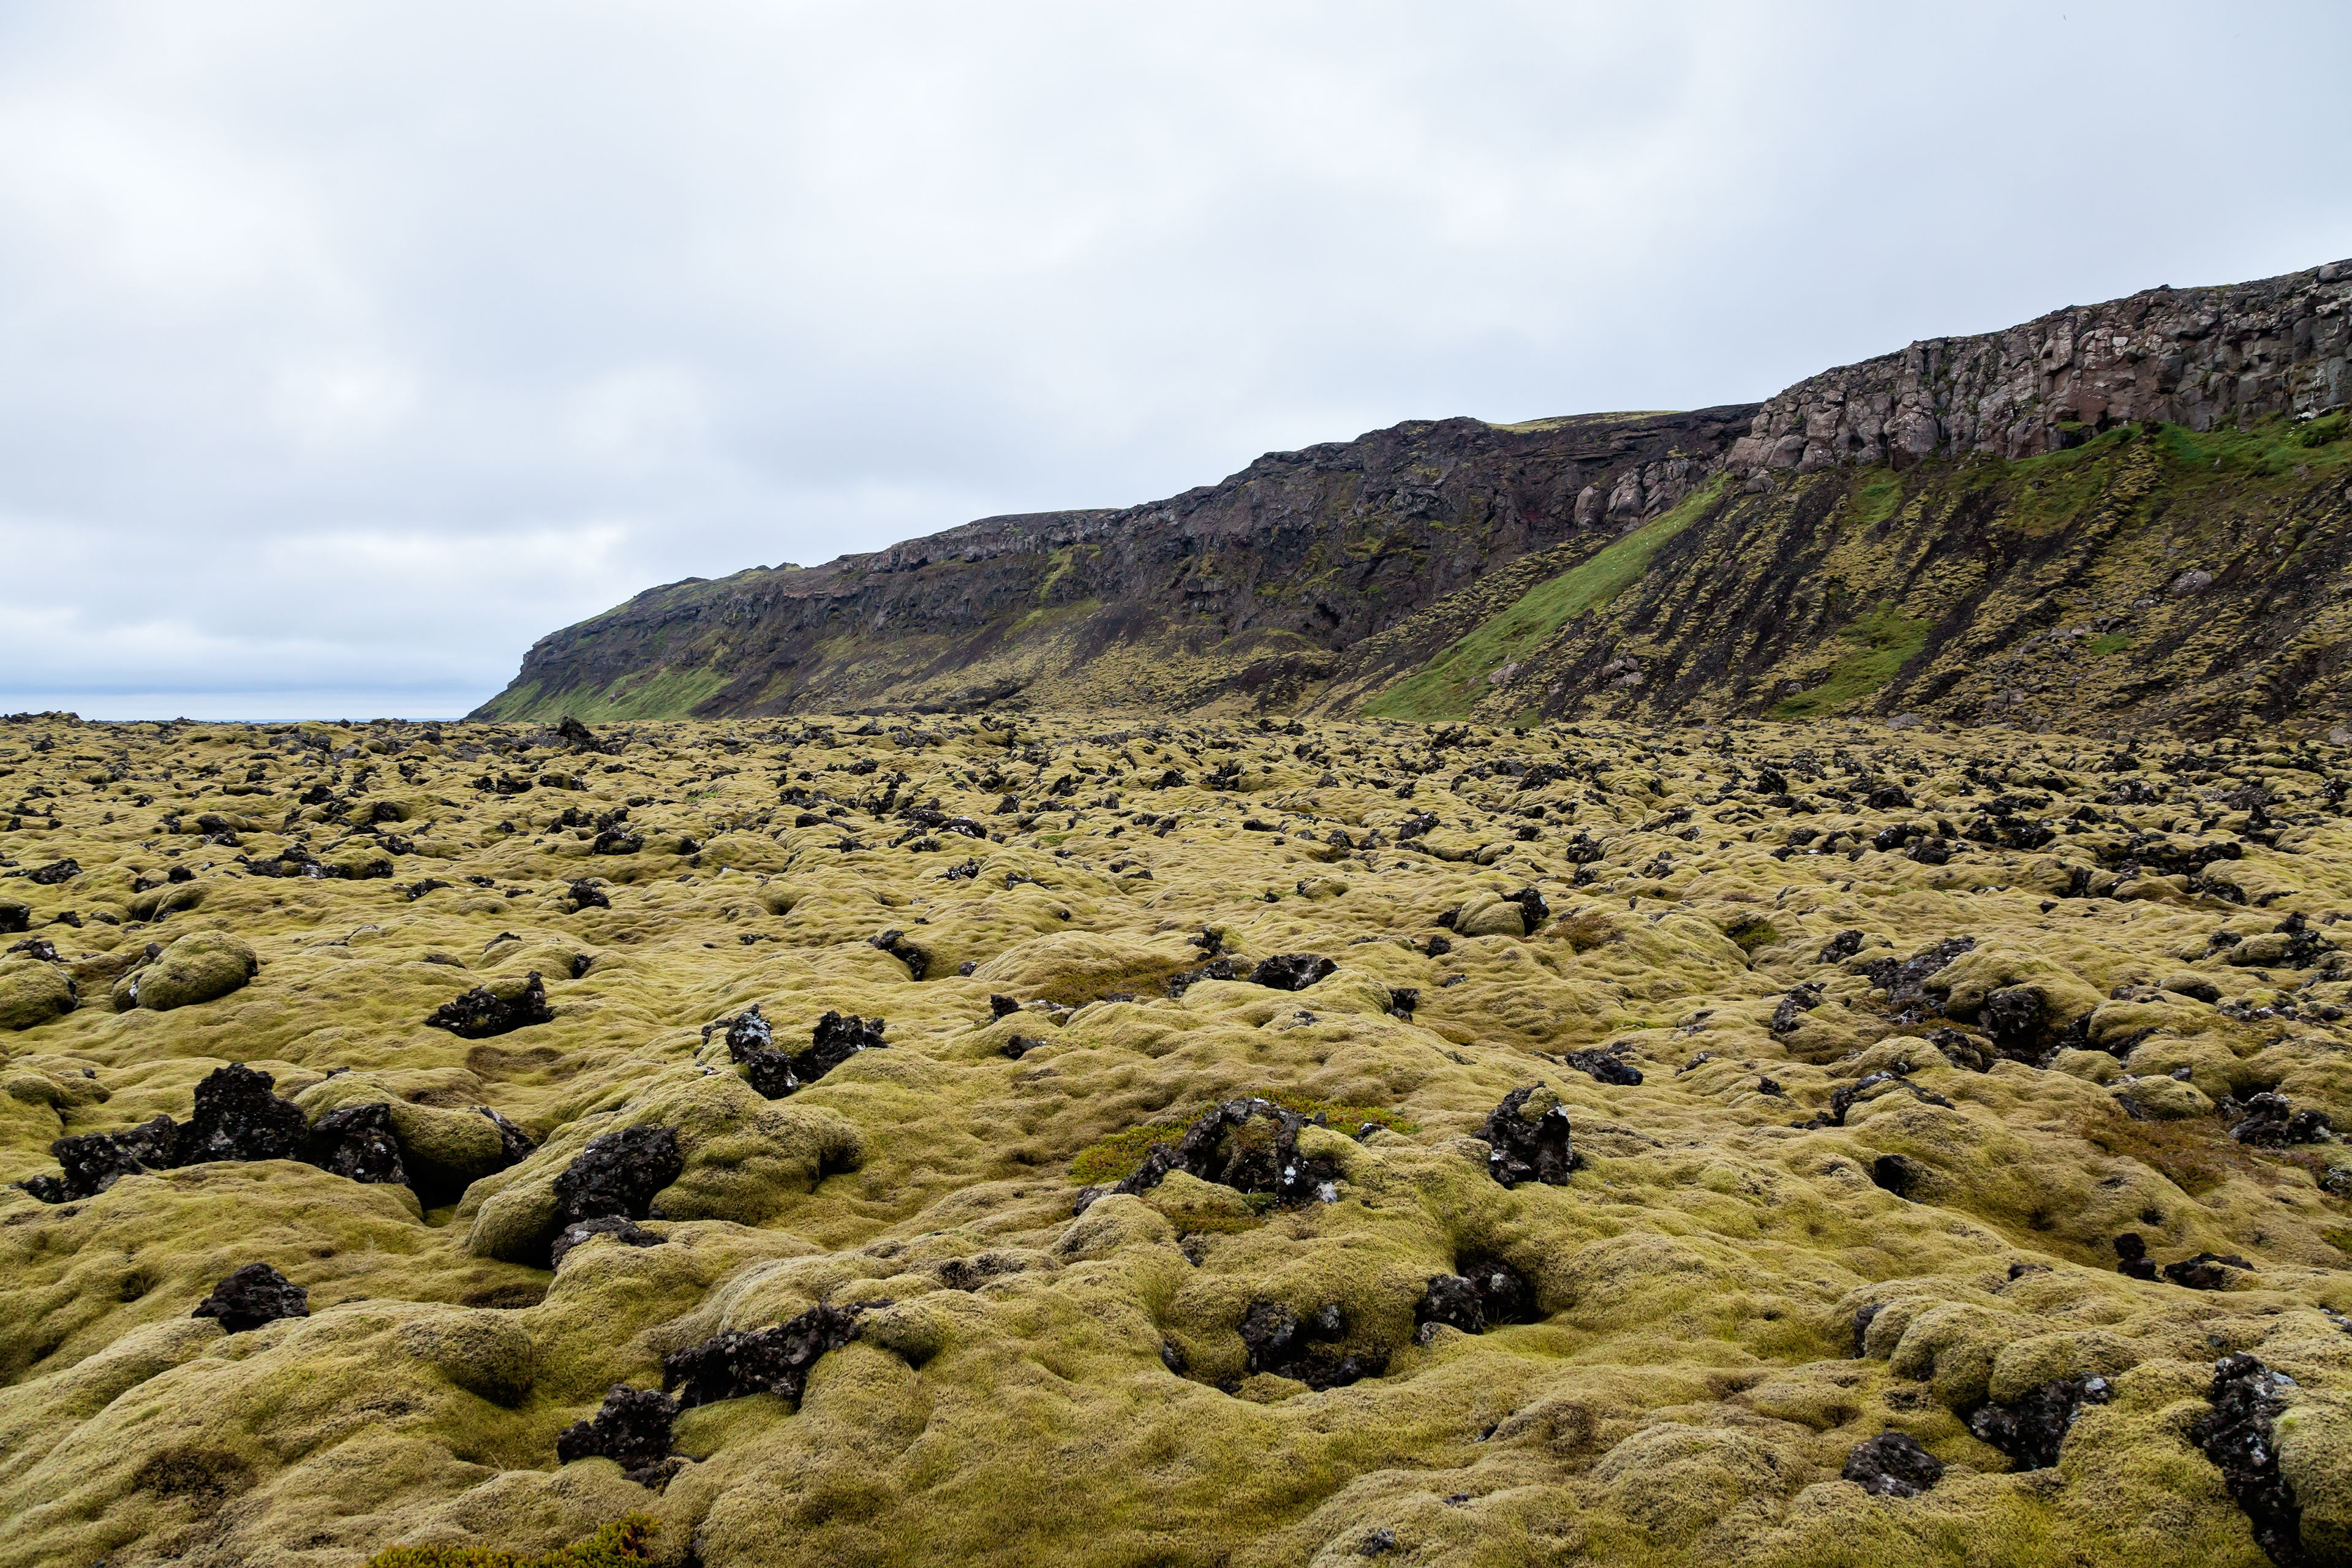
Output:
(761, 1360)
(632, 1428)
(237, 1116)
(1893, 1464)
(253, 1295)
(482, 1013)
(2031, 1430)
(1250, 1145)
(619, 1173)
(357, 1142)
(1528, 1149)
(2239, 1434)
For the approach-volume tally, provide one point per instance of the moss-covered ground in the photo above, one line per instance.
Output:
(1451, 685)
(1728, 1294)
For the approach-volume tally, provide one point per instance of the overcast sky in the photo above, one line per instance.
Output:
(345, 350)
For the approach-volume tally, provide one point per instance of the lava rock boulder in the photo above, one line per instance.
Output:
(1528, 1139)
(253, 1295)
(761, 1361)
(498, 1008)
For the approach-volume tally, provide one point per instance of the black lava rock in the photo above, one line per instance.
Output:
(2270, 1123)
(2206, 1272)
(482, 1013)
(1604, 1067)
(94, 1162)
(1931, 851)
(749, 1032)
(2237, 1434)
(763, 1360)
(1308, 1351)
(1250, 1145)
(618, 1174)
(836, 1039)
(1892, 1465)
(1798, 1002)
(2131, 1258)
(579, 737)
(2013, 1016)
(514, 1144)
(357, 1142)
(253, 1295)
(238, 1118)
(1216, 969)
(586, 895)
(1487, 1294)
(1840, 947)
(632, 1428)
(1525, 1148)
(1291, 971)
(1450, 1299)
(895, 943)
(1904, 981)
(2031, 1430)
(1862, 1321)
(627, 1232)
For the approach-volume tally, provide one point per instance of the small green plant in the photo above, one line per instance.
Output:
(615, 1546)
(2113, 642)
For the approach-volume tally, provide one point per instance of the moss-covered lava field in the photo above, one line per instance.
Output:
(1043, 1139)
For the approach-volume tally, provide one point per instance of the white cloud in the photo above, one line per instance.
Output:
(348, 349)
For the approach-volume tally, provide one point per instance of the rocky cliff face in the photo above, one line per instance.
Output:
(1251, 586)
(2195, 357)
(1874, 538)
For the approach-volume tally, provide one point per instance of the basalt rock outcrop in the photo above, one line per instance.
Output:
(2194, 357)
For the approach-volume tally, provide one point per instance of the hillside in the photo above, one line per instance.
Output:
(2130, 514)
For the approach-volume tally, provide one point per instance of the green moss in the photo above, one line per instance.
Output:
(661, 692)
(2324, 432)
(615, 1545)
(1878, 497)
(1057, 568)
(519, 701)
(1449, 686)
(1888, 643)
(1119, 1155)
(2268, 449)
(2113, 642)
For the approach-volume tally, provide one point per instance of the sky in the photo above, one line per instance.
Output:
(345, 351)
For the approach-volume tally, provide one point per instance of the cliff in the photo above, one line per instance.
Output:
(2128, 513)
